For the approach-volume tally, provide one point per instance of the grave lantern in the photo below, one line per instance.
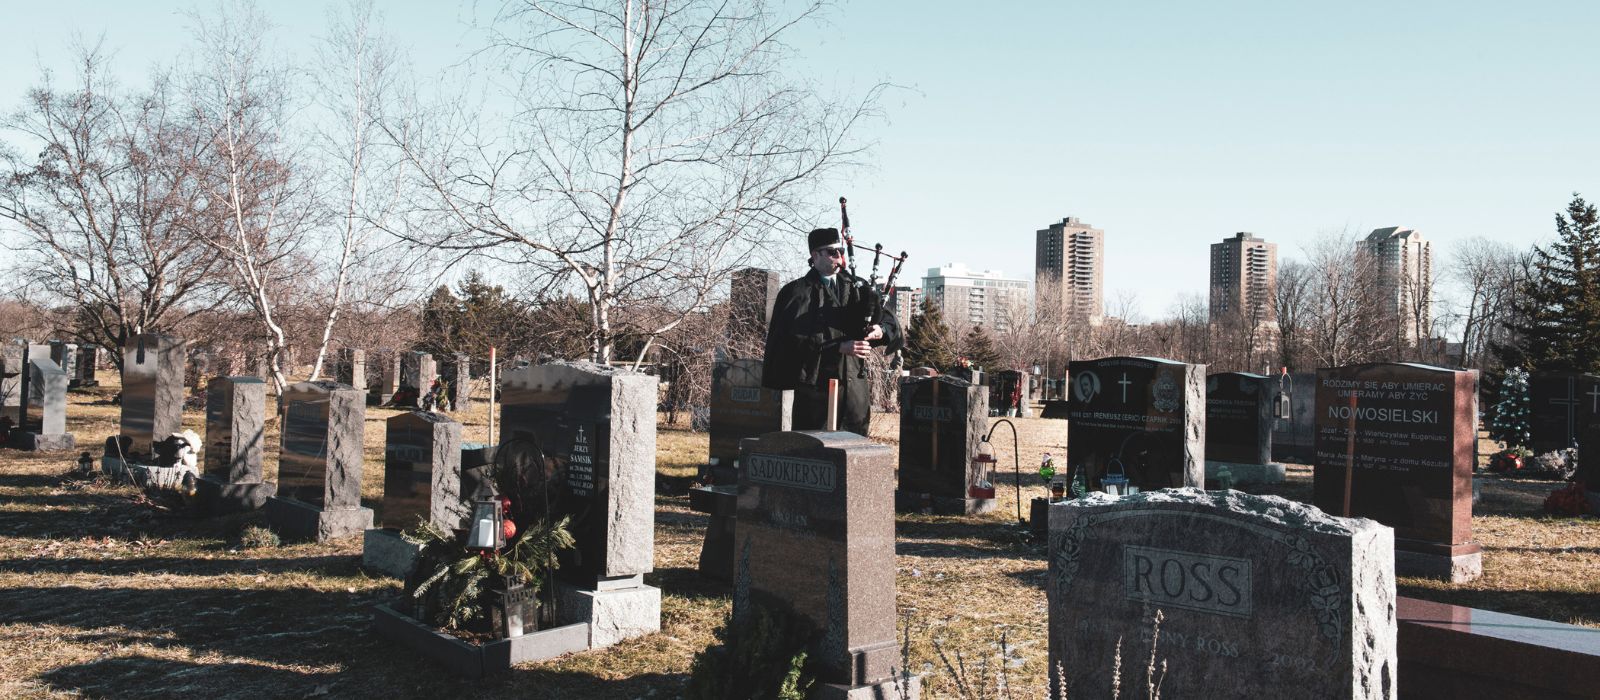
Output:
(512, 609)
(1280, 408)
(487, 534)
(1115, 483)
(983, 463)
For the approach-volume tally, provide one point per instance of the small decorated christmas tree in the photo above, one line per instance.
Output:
(1509, 422)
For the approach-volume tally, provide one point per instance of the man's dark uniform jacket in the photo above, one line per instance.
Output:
(802, 352)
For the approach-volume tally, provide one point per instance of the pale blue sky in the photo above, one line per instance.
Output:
(1170, 125)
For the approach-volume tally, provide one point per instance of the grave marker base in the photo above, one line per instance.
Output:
(383, 550)
(473, 660)
(1247, 473)
(913, 502)
(217, 497)
(907, 688)
(294, 520)
(1454, 563)
(35, 442)
(612, 615)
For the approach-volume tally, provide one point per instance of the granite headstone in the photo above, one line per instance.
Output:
(1141, 417)
(1261, 597)
(942, 419)
(456, 373)
(152, 389)
(232, 482)
(1412, 448)
(1239, 429)
(1560, 404)
(351, 367)
(320, 463)
(742, 408)
(46, 431)
(1294, 437)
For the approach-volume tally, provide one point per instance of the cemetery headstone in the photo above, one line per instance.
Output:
(417, 370)
(351, 367)
(236, 409)
(740, 408)
(88, 363)
(11, 370)
(1260, 597)
(456, 373)
(421, 481)
(29, 393)
(1008, 391)
(48, 431)
(384, 376)
(942, 419)
(1142, 418)
(65, 355)
(152, 389)
(319, 463)
(1561, 403)
(596, 427)
(1294, 438)
(816, 540)
(1412, 449)
(1588, 472)
(201, 367)
(1239, 430)
(751, 297)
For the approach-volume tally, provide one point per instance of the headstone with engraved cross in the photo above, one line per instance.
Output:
(942, 419)
(1561, 403)
(1139, 417)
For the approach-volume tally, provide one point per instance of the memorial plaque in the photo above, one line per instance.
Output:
(942, 419)
(1561, 403)
(1238, 418)
(1141, 416)
(152, 389)
(422, 471)
(742, 408)
(1412, 449)
(1261, 597)
(235, 419)
(351, 367)
(320, 458)
(816, 537)
(596, 426)
(1294, 438)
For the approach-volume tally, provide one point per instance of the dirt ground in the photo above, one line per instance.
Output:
(104, 593)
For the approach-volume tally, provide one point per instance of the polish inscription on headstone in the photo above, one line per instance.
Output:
(1143, 417)
(1561, 403)
(942, 419)
(1413, 448)
(1261, 597)
(152, 389)
(234, 442)
(320, 463)
(816, 538)
(1239, 429)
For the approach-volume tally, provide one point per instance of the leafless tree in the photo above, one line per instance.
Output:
(1348, 321)
(657, 147)
(1291, 305)
(100, 213)
(1489, 274)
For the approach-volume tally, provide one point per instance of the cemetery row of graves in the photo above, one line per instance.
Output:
(578, 548)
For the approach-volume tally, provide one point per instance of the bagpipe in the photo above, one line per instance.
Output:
(870, 298)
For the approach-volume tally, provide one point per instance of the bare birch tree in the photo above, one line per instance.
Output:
(1348, 321)
(1489, 274)
(656, 147)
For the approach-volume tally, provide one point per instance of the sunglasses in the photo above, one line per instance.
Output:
(832, 252)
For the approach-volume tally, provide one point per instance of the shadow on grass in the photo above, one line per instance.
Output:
(931, 536)
(28, 481)
(686, 582)
(146, 677)
(330, 565)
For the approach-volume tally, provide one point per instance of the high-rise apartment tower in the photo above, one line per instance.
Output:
(1244, 275)
(1068, 262)
(1405, 271)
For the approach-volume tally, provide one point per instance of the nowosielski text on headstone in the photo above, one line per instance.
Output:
(320, 463)
(596, 426)
(816, 541)
(1257, 597)
(1402, 440)
(1142, 418)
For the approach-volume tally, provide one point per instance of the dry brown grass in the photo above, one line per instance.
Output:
(105, 593)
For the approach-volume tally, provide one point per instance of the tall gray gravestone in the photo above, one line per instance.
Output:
(816, 539)
(11, 370)
(1239, 429)
(752, 293)
(152, 389)
(47, 388)
(1261, 597)
(1560, 404)
(740, 408)
(421, 481)
(1398, 441)
(236, 411)
(383, 376)
(319, 463)
(1141, 416)
(83, 372)
(1294, 437)
(597, 428)
(942, 419)
(456, 373)
(417, 370)
(351, 367)
(28, 392)
(65, 355)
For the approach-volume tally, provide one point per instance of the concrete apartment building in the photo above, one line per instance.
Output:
(1244, 276)
(907, 303)
(1069, 257)
(1405, 270)
(969, 298)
